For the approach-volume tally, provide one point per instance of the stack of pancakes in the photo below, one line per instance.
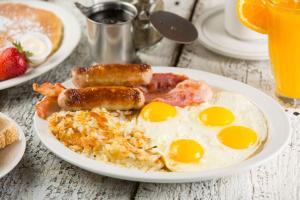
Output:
(18, 19)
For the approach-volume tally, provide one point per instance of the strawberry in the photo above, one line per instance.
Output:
(13, 61)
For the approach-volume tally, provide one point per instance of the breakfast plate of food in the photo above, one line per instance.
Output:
(158, 124)
(35, 36)
(12, 144)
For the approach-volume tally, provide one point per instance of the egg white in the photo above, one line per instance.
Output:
(163, 132)
(187, 125)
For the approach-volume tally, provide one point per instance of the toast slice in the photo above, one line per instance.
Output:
(8, 133)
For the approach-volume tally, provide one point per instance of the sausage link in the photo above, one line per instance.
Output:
(112, 74)
(109, 97)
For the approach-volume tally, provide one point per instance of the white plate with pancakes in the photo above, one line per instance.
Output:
(11, 154)
(278, 134)
(63, 31)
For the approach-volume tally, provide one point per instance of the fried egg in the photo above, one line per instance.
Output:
(160, 121)
(219, 133)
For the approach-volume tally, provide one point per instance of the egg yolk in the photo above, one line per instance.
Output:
(216, 116)
(237, 137)
(186, 151)
(158, 111)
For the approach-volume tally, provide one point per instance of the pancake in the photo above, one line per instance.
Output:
(18, 19)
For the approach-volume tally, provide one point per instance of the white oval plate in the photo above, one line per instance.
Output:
(11, 155)
(279, 133)
(71, 37)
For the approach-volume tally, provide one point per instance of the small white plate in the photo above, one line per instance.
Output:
(71, 38)
(213, 36)
(11, 155)
(279, 133)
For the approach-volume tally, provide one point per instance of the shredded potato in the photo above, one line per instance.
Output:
(106, 136)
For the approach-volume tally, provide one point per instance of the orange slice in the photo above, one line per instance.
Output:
(253, 14)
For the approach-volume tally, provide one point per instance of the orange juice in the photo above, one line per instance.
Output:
(283, 27)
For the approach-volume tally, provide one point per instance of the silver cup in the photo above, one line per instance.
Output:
(111, 43)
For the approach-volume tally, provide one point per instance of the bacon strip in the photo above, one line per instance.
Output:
(46, 107)
(48, 89)
(48, 104)
(187, 93)
(161, 83)
(164, 82)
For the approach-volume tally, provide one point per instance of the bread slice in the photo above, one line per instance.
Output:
(8, 133)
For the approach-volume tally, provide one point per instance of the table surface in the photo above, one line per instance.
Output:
(42, 175)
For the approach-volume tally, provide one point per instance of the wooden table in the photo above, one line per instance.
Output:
(42, 175)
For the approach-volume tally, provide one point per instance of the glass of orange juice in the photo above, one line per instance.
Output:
(280, 19)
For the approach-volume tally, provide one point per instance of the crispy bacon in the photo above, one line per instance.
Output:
(48, 104)
(46, 107)
(48, 89)
(187, 93)
(161, 83)
(164, 82)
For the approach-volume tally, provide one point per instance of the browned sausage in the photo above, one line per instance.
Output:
(112, 74)
(109, 97)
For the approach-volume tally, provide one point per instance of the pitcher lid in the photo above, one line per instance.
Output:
(174, 27)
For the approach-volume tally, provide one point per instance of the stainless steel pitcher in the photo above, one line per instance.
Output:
(111, 42)
(118, 41)
(145, 34)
